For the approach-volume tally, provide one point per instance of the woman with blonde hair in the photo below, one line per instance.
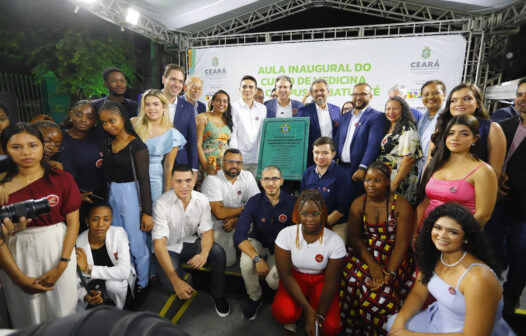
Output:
(155, 129)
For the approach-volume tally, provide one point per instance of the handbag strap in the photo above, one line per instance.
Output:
(82, 279)
(135, 177)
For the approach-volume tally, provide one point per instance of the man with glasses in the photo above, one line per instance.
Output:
(193, 88)
(268, 213)
(359, 135)
(324, 117)
(247, 119)
(282, 106)
(333, 183)
(228, 192)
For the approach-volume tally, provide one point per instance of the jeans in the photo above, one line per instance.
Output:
(216, 262)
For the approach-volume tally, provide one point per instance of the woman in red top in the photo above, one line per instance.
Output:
(38, 271)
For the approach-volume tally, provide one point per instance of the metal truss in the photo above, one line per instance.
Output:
(114, 11)
(395, 10)
(510, 16)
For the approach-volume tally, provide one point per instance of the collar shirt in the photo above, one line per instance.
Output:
(171, 109)
(355, 120)
(426, 127)
(180, 225)
(518, 138)
(233, 195)
(324, 119)
(246, 130)
(334, 186)
(262, 221)
(284, 111)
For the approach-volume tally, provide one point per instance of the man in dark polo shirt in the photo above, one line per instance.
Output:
(269, 213)
(115, 81)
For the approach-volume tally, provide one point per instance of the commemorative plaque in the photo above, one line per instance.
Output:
(284, 143)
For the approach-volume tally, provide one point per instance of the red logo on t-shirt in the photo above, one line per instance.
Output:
(318, 257)
(116, 255)
(257, 118)
(98, 164)
(282, 218)
(239, 192)
(53, 200)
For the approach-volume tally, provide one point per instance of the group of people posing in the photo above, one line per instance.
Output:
(387, 234)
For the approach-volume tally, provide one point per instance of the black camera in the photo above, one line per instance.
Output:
(28, 209)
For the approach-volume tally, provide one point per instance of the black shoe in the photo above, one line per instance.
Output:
(251, 309)
(222, 307)
(140, 295)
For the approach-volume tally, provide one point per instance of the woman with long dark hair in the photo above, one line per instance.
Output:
(457, 268)
(213, 132)
(309, 258)
(400, 148)
(456, 174)
(466, 98)
(38, 260)
(378, 263)
(125, 165)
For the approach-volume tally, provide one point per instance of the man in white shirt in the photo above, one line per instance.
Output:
(247, 119)
(193, 87)
(179, 217)
(228, 192)
(283, 106)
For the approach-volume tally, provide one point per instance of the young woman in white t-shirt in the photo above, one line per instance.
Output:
(309, 258)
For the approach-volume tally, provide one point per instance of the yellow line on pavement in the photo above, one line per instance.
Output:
(167, 305)
(183, 308)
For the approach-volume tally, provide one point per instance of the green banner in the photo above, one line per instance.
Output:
(284, 143)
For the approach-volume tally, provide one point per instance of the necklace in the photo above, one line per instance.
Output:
(453, 264)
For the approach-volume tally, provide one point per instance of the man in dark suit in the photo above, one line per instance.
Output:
(115, 81)
(193, 88)
(504, 113)
(283, 106)
(359, 135)
(508, 223)
(324, 117)
(182, 114)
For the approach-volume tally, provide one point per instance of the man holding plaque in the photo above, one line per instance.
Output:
(283, 106)
(358, 137)
(268, 213)
(324, 117)
(333, 183)
(247, 119)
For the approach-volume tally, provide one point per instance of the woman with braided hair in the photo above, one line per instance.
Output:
(309, 258)
(379, 271)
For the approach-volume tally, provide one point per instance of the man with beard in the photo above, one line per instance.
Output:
(115, 81)
(358, 137)
(269, 213)
(324, 117)
(228, 192)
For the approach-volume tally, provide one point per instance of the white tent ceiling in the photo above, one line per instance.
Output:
(193, 16)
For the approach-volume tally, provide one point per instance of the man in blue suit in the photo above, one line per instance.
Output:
(324, 117)
(359, 135)
(193, 87)
(182, 114)
(283, 106)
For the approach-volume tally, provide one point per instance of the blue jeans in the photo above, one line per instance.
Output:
(216, 262)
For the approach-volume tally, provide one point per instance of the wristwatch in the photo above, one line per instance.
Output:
(256, 259)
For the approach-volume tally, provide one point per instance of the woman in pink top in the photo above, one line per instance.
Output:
(455, 174)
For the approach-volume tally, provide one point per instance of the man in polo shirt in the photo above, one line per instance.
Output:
(269, 213)
(179, 217)
(247, 119)
(283, 106)
(228, 192)
(193, 88)
(332, 181)
(115, 82)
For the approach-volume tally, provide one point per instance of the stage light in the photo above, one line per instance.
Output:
(132, 16)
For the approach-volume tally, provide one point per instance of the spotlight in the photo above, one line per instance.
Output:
(132, 16)
(76, 9)
(510, 55)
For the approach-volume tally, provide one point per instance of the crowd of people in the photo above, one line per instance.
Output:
(392, 228)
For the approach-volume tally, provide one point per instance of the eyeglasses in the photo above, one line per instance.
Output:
(53, 146)
(268, 179)
(239, 163)
(361, 94)
(314, 214)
